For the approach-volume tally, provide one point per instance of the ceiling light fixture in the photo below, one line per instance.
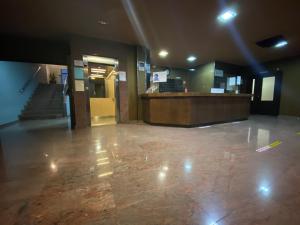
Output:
(163, 53)
(192, 69)
(281, 44)
(277, 41)
(227, 15)
(96, 70)
(96, 76)
(101, 60)
(191, 58)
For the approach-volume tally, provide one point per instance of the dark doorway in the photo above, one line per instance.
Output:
(266, 90)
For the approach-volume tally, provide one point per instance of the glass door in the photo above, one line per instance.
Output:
(266, 90)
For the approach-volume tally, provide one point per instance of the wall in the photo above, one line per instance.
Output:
(13, 76)
(290, 92)
(56, 70)
(173, 72)
(126, 54)
(142, 56)
(202, 80)
(235, 70)
(42, 76)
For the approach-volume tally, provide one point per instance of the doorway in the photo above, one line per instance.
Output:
(266, 91)
(102, 91)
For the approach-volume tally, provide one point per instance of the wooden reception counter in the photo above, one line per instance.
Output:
(194, 109)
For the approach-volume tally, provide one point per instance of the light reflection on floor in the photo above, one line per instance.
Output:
(100, 121)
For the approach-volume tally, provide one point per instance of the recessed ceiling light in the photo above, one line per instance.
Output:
(163, 53)
(191, 58)
(192, 69)
(281, 44)
(227, 15)
(277, 41)
(102, 22)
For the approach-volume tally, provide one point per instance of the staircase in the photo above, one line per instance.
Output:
(47, 102)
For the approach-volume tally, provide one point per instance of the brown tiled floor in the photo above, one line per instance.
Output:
(145, 175)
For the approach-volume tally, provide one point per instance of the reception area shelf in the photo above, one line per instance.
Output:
(194, 109)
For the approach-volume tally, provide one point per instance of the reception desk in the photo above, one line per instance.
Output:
(194, 109)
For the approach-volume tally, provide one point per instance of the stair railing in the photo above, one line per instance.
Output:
(64, 92)
(29, 80)
(65, 86)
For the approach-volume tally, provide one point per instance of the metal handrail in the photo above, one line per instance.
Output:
(65, 86)
(29, 80)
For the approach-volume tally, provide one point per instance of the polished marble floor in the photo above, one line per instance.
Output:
(100, 121)
(136, 174)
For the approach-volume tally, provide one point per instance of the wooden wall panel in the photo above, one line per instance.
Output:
(193, 110)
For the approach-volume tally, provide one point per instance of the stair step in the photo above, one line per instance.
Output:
(41, 111)
(50, 115)
(46, 107)
(47, 102)
(57, 104)
(35, 117)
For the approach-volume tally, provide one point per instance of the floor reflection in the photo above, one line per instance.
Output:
(142, 174)
(99, 121)
(249, 135)
(263, 137)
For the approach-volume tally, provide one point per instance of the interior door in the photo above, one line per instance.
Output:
(266, 90)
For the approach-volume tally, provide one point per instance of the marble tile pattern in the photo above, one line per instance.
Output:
(137, 174)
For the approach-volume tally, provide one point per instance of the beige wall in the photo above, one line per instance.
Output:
(56, 69)
(290, 92)
(42, 75)
(202, 80)
(47, 69)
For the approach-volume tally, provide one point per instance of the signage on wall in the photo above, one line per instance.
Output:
(79, 85)
(219, 73)
(78, 72)
(160, 76)
(78, 63)
(122, 76)
(217, 90)
(147, 66)
(141, 66)
(238, 80)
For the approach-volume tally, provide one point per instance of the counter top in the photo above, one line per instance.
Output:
(189, 94)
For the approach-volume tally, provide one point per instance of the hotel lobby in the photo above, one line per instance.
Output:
(127, 112)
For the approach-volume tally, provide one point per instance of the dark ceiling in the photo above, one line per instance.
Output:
(182, 27)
